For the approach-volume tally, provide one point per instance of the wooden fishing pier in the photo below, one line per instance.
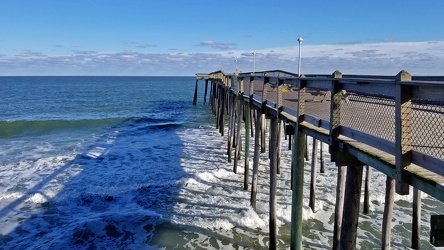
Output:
(393, 124)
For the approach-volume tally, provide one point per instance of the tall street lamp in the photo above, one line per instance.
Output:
(299, 64)
(254, 62)
(236, 64)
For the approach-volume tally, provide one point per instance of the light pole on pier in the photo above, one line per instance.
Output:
(299, 64)
(254, 62)
(236, 64)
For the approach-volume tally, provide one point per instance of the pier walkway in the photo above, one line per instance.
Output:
(394, 124)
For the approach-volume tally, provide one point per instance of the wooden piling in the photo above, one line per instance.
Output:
(251, 122)
(368, 177)
(206, 89)
(297, 182)
(217, 107)
(388, 212)
(263, 134)
(247, 147)
(231, 124)
(297, 190)
(238, 135)
(339, 208)
(221, 111)
(256, 157)
(273, 180)
(321, 158)
(416, 223)
(213, 97)
(278, 147)
(314, 161)
(195, 93)
(352, 202)
(290, 141)
(280, 105)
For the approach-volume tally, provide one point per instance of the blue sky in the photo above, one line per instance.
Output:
(182, 37)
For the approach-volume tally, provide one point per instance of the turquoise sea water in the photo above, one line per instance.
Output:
(130, 163)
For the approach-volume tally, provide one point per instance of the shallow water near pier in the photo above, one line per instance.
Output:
(130, 163)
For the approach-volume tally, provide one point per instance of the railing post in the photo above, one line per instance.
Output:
(264, 120)
(335, 113)
(403, 129)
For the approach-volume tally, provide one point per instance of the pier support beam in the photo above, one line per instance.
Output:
(321, 158)
(263, 134)
(314, 161)
(247, 146)
(297, 189)
(217, 107)
(257, 152)
(368, 177)
(416, 223)
(343, 162)
(206, 89)
(297, 167)
(388, 212)
(231, 124)
(339, 208)
(237, 148)
(213, 97)
(221, 110)
(195, 92)
(273, 182)
(352, 200)
(278, 147)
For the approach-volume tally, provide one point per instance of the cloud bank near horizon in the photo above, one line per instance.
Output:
(418, 58)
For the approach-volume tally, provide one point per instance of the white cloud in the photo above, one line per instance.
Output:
(218, 45)
(419, 58)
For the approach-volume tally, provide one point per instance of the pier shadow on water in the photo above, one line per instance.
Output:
(111, 196)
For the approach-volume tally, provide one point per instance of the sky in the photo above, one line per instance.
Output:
(184, 37)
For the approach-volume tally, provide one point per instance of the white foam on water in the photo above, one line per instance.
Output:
(214, 195)
(125, 187)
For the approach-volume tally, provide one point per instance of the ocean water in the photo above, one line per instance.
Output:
(130, 163)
